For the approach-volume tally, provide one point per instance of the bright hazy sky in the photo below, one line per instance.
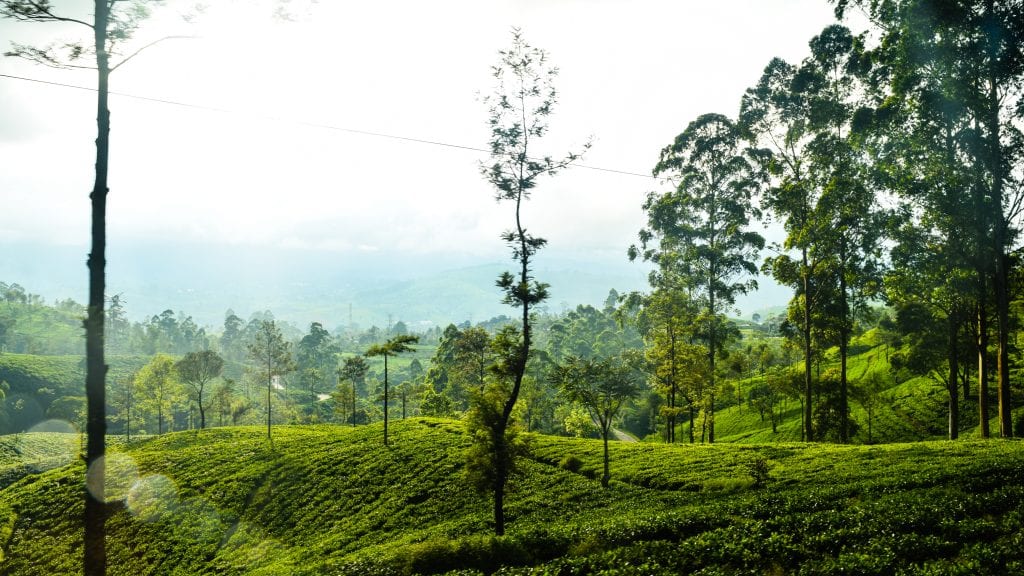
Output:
(633, 74)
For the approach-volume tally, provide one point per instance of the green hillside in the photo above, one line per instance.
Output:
(39, 382)
(907, 407)
(332, 500)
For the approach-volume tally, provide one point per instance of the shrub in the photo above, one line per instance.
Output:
(727, 485)
(758, 469)
(571, 463)
(485, 553)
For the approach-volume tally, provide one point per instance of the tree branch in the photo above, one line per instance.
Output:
(43, 56)
(33, 11)
(137, 52)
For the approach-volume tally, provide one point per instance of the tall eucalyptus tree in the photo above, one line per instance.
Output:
(700, 229)
(964, 60)
(848, 210)
(776, 114)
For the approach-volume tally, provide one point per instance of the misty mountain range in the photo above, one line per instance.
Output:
(302, 286)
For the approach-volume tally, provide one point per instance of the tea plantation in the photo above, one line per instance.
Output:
(333, 500)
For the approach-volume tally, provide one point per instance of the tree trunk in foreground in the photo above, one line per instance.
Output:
(94, 561)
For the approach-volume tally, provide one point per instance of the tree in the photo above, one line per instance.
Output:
(311, 378)
(472, 356)
(159, 387)
(602, 386)
(847, 207)
(440, 387)
(777, 113)
(518, 110)
(116, 329)
(341, 398)
(316, 359)
(963, 62)
(665, 319)
(868, 393)
(269, 351)
(223, 398)
(699, 229)
(124, 401)
(354, 370)
(813, 118)
(112, 23)
(197, 369)
(232, 339)
(393, 347)
(961, 67)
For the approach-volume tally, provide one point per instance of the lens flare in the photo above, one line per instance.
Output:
(120, 474)
(49, 444)
(152, 498)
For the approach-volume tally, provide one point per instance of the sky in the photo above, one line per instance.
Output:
(251, 134)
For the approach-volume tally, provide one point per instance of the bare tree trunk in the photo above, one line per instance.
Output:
(693, 417)
(807, 432)
(605, 429)
(499, 499)
(954, 374)
(712, 345)
(94, 562)
(983, 372)
(1000, 234)
(844, 346)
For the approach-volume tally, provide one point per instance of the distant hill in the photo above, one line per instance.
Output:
(334, 500)
(303, 286)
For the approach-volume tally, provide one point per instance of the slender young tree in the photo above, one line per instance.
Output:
(197, 370)
(665, 319)
(393, 347)
(273, 355)
(354, 369)
(160, 387)
(602, 386)
(524, 98)
(700, 229)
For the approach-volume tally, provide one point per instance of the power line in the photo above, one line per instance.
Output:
(301, 122)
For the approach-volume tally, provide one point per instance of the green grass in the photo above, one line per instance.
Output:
(333, 500)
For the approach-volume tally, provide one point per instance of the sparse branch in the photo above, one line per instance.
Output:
(153, 43)
(46, 56)
(34, 11)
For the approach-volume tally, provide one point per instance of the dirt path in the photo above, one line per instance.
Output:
(623, 436)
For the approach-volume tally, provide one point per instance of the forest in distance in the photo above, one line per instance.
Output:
(853, 431)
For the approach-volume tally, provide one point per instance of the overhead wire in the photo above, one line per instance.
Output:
(302, 122)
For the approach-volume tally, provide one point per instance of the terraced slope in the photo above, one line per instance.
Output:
(331, 500)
